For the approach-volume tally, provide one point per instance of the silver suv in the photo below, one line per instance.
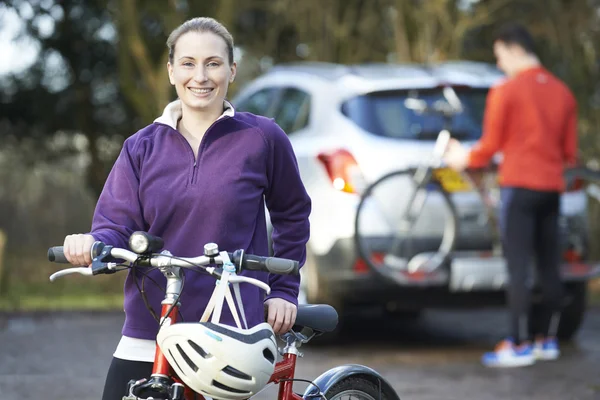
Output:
(349, 125)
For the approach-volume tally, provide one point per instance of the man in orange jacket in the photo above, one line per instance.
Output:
(531, 118)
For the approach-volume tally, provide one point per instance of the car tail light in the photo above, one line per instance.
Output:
(572, 256)
(361, 267)
(576, 185)
(343, 170)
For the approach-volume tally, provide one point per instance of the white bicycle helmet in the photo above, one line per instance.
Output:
(220, 361)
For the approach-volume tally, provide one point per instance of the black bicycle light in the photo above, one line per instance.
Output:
(142, 242)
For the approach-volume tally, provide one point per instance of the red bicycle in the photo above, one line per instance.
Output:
(175, 373)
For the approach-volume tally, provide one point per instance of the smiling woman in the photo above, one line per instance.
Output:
(201, 67)
(223, 167)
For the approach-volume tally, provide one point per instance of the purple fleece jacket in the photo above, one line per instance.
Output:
(244, 161)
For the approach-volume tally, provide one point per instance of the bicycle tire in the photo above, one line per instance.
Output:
(355, 387)
(447, 243)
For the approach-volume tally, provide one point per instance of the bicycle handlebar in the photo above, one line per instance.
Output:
(239, 258)
(105, 261)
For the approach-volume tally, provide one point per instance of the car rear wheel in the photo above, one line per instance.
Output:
(573, 312)
(313, 288)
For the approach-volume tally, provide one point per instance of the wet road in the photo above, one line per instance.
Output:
(65, 356)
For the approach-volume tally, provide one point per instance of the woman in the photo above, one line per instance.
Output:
(200, 173)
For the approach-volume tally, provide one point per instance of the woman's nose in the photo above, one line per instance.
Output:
(200, 74)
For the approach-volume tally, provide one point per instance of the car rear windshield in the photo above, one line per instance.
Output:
(385, 113)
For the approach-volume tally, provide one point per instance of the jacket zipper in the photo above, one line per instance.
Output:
(197, 159)
(194, 170)
(194, 159)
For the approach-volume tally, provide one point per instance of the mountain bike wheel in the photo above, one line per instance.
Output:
(355, 387)
(402, 226)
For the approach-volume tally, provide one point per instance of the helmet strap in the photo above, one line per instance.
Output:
(222, 293)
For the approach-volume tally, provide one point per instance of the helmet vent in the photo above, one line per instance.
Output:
(227, 388)
(236, 373)
(187, 359)
(176, 363)
(199, 349)
(268, 354)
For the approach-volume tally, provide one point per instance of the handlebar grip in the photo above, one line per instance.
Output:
(274, 265)
(57, 255)
(282, 266)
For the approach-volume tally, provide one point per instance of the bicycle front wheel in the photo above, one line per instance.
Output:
(402, 226)
(353, 388)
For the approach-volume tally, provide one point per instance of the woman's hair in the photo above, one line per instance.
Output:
(201, 24)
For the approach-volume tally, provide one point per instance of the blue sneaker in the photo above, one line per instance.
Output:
(507, 354)
(546, 349)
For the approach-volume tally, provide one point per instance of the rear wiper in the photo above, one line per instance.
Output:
(432, 135)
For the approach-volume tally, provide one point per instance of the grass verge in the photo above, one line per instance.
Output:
(30, 298)
(32, 302)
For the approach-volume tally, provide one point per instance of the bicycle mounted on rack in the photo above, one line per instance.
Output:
(403, 257)
(167, 380)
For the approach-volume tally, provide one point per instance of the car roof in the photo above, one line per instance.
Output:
(376, 76)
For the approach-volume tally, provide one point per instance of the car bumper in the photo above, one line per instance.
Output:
(472, 277)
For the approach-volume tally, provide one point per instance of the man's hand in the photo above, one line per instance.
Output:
(456, 156)
(281, 314)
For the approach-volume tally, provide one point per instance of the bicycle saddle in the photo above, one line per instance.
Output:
(318, 317)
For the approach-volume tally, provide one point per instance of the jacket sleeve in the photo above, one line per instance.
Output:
(493, 130)
(570, 138)
(289, 208)
(118, 211)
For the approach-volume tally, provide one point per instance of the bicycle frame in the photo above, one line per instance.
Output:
(283, 374)
(162, 372)
(425, 173)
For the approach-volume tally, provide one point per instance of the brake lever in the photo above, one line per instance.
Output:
(87, 271)
(218, 273)
(255, 282)
(102, 263)
(99, 268)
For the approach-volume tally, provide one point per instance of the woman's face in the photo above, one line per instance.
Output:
(200, 71)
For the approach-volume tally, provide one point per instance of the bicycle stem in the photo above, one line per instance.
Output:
(174, 283)
(170, 308)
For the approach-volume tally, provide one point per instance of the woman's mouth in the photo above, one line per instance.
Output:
(201, 91)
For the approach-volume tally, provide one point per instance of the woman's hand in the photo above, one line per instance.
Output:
(77, 249)
(281, 314)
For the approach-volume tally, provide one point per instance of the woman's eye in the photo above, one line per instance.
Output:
(212, 64)
(188, 64)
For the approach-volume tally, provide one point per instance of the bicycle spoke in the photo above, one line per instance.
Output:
(411, 229)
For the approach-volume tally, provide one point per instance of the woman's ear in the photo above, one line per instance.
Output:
(233, 72)
(170, 72)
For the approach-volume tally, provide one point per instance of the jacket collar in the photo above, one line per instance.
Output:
(172, 113)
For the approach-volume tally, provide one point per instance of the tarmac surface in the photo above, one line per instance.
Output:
(64, 356)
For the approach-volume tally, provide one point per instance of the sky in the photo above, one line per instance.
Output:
(14, 55)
